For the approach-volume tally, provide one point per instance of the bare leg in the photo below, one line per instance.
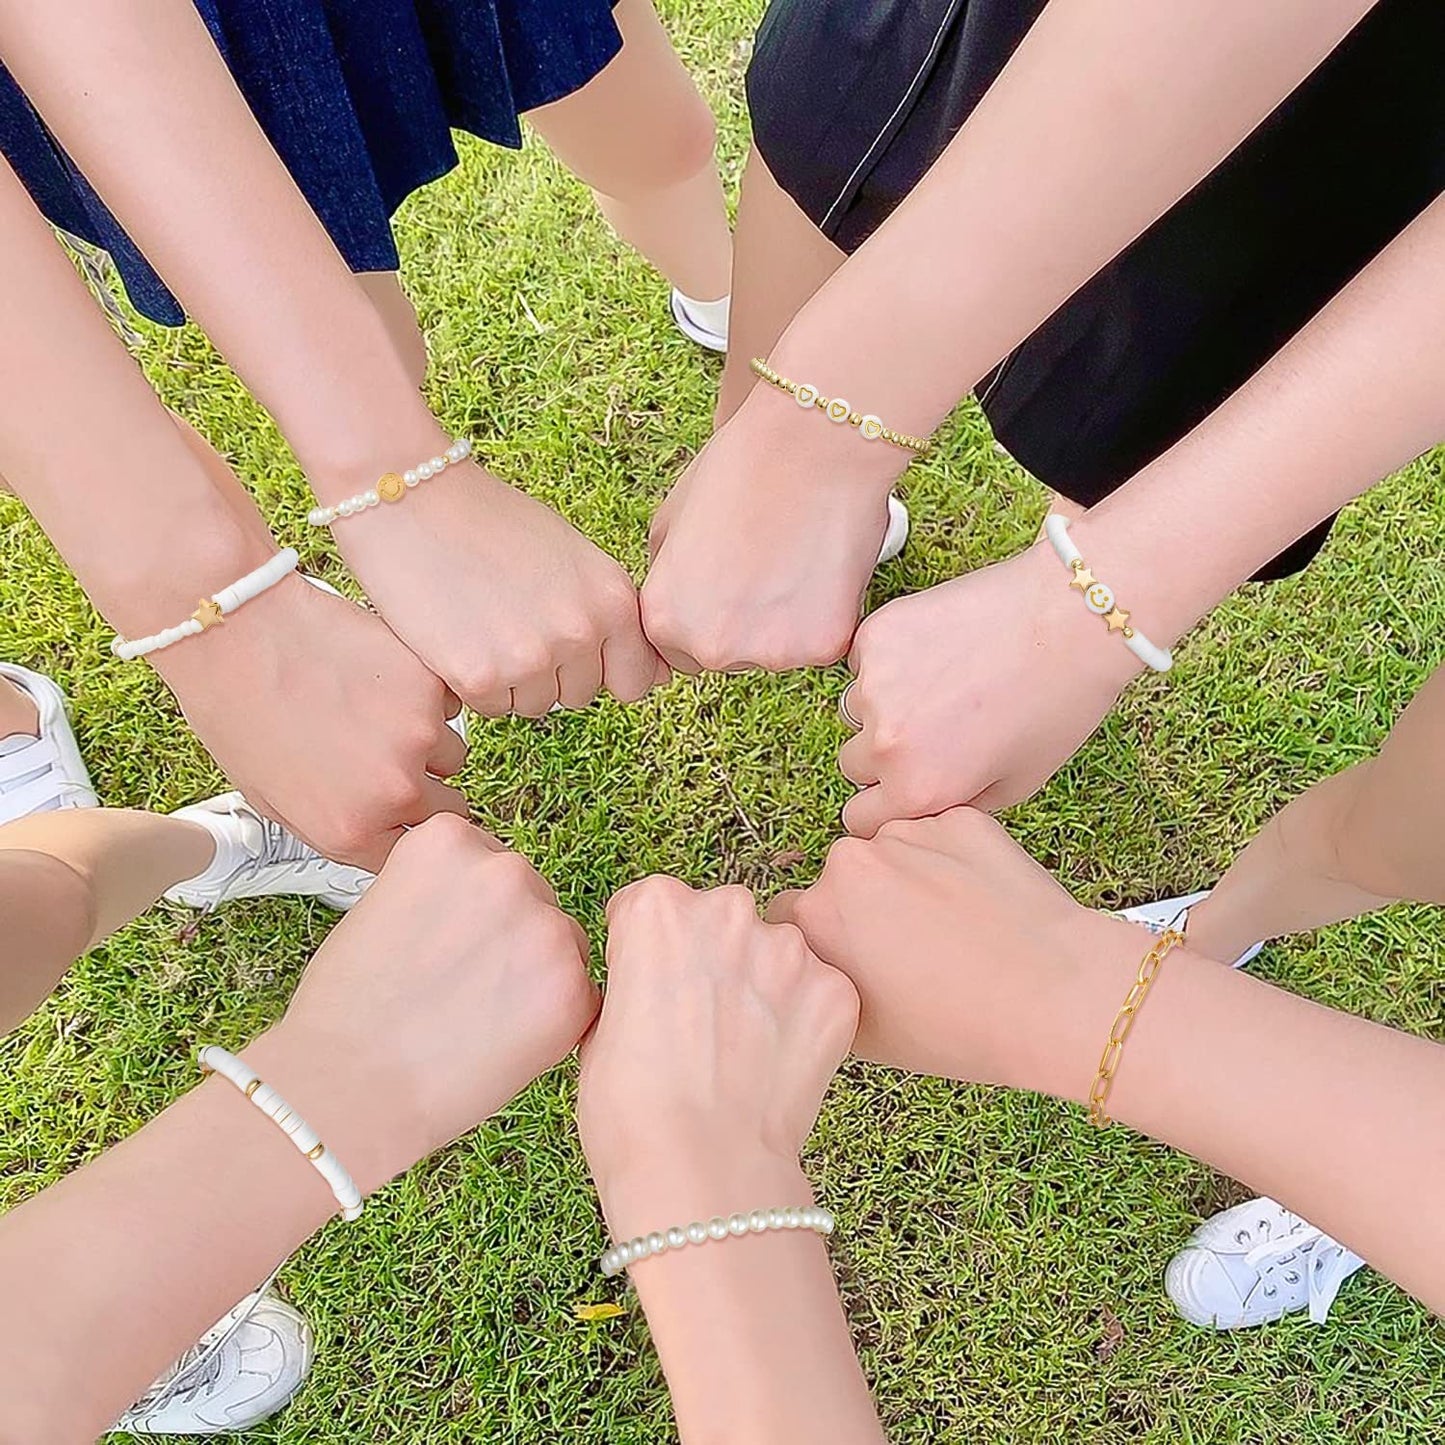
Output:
(69, 879)
(642, 137)
(780, 259)
(393, 305)
(1362, 839)
(18, 713)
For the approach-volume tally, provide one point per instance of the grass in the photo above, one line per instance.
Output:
(1001, 1262)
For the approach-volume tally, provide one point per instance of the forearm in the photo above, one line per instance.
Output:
(1291, 446)
(1105, 116)
(93, 454)
(750, 1332)
(166, 1232)
(1212, 1047)
(187, 170)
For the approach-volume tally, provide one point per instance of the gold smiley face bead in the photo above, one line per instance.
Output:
(1099, 598)
(391, 488)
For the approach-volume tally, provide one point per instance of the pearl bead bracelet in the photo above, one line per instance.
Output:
(393, 486)
(212, 610)
(760, 1221)
(1099, 598)
(308, 1143)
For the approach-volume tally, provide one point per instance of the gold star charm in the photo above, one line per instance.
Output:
(209, 613)
(1083, 579)
(1118, 620)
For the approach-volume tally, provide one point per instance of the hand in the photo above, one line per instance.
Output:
(501, 597)
(718, 1039)
(763, 552)
(975, 691)
(451, 985)
(310, 705)
(970, 960)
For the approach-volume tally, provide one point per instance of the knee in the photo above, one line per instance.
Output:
(682, 145)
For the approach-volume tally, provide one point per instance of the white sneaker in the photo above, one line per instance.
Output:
(897, 534)
(1167, 912)
(243, 1370)
(45, 773)
(705, 322)
(1254, 1264)
(256, 858)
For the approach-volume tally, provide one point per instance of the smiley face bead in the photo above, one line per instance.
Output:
(391, 488)
(1099, 598)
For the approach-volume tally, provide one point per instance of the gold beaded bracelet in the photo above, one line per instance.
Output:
(1124, 1022)
(869, 427)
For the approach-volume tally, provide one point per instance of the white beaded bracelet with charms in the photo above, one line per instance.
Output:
(393, 486)
(1099, 598)
(760, 1221)
(308, 1143)
(212, 610)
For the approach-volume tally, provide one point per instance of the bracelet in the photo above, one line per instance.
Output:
(869, 427)
(1099, 598)
(1124, 1022)
(760, 1221)
(212, 611)
(393, 486)
(215, 1060)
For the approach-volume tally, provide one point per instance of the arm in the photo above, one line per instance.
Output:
(1105, 116)
(398, 1040)
(494, 591)
(699, 1085)
(996, 975)
(151, 519)
(1288, 448)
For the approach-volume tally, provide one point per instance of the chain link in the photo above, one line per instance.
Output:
(1124, 1023)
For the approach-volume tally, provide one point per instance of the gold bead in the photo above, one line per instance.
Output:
(391, 487)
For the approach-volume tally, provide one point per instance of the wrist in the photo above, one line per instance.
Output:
(351, 460)
(1066, 627)
(155, 580)
(1147, 588)
(1101, 954)
(362, 1115)
(658, 1187)
(793, 440)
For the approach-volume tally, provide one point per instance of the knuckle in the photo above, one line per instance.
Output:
(510, 874)
(847, 859)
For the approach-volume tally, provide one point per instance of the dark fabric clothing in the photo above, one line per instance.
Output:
(358, 97)
(853, 100)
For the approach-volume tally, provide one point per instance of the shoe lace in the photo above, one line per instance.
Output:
(280, 845)
(1301, 1251)
(199, 1368)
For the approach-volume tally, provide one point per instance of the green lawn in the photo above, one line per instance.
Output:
(1001, 1261)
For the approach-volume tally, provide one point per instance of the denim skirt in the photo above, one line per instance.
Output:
(359, 98)
(853, 100)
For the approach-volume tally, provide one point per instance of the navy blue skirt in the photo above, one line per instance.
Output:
(358, 97)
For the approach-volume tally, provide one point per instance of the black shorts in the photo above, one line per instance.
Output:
(853, 100)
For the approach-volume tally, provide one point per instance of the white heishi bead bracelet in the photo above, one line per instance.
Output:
(760, 1221)
(308, 1143)
(393, 486)
(1099, 598)
(212, 610)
